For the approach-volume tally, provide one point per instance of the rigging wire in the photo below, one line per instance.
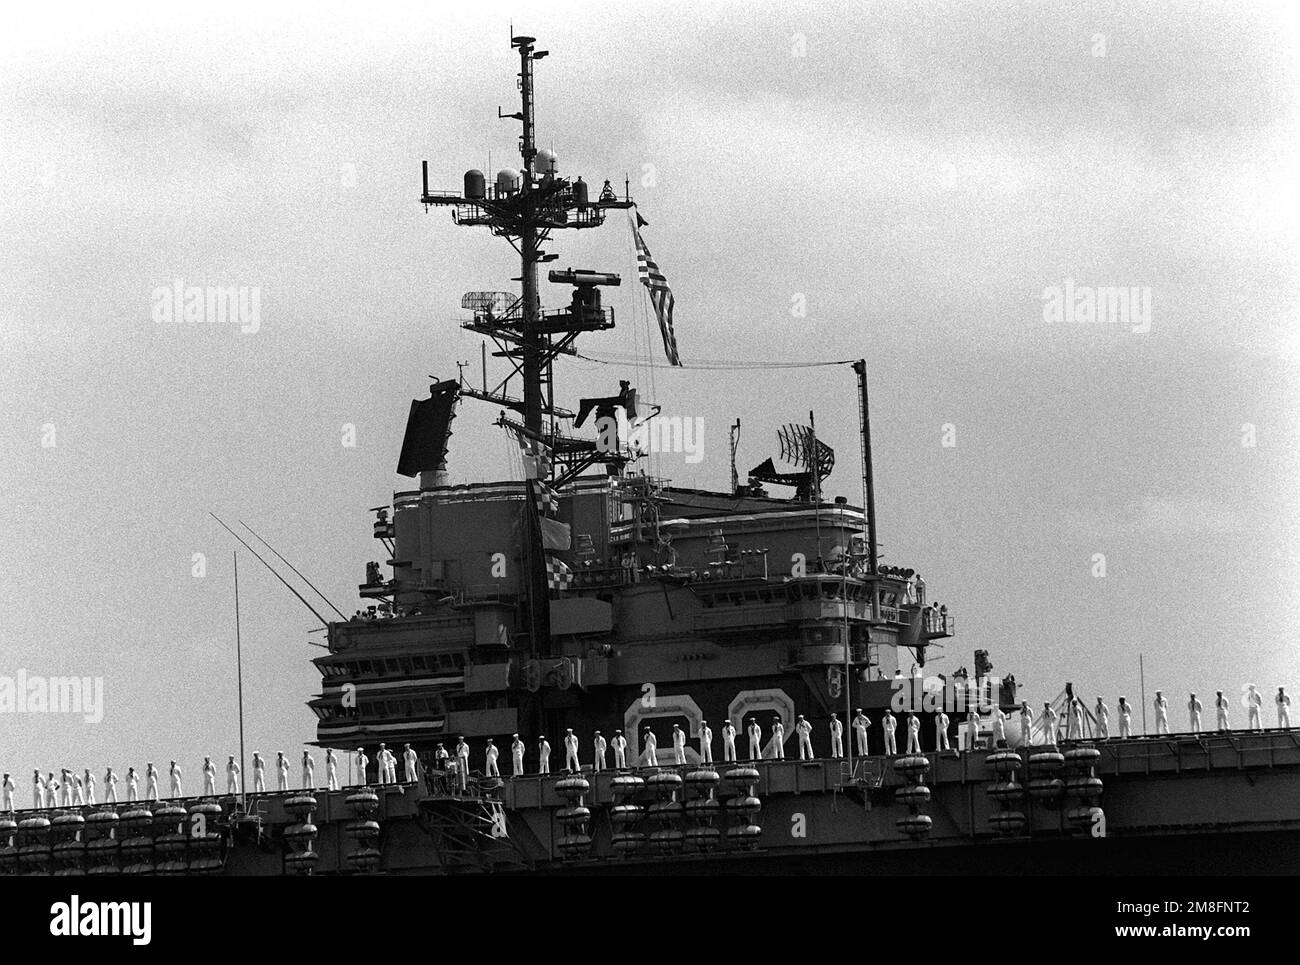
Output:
(712, 365)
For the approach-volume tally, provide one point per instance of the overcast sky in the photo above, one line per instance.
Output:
(920, 173)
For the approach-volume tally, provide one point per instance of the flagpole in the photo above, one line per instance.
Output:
(239, 672)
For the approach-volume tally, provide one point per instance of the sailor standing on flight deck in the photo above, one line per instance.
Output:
(888, 724)
(462, 762)
(837, 737)
(209, 778)
(110, 787)
(941, 731)
(728, 740)
(132, 785)
(51, 790)
(860, 723)
(913, 733)
(1125, 719)
(1026, 724)
(151, 781)
(679, 745)
(392, 765)
(90, 787)
(8, 787)
(331, 770)
(706, 742)
(598, 746)
(778, 739)
(1253, 703)
(381, 764)
(650, 748)
(441, 757)
(804, 730)
(259, 771)
(175, 779)
(66, 794)
(232, 776)
(620, 750)
(1283, 708)
(490, 768)
(999, 727)
(1194, 713)
(972, 727)
(1102, 713)
(410, 764)
(1162, 713)
(38, 790)
(516, 756)
(755, 734)
(362, 763)
(543, 755)
(1050, 717)
(308, 771)
(571, 762)
(1221, 709)
(282, 770)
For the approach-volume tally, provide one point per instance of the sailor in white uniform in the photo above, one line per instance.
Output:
(1050, 718)
(331, 770)
(51, 790)
(362, 763)
(209, 778)
(65, 795)
(679, 744)
(516, 756)
(110, 787)
(543, 755)
(132, 785)
(837, 737)
(1253, 704)
(78, 792)
(410, 760)
(1074, 719)
(804, 731)
(860, 723)
(1283, 701)
(778, 739)
(999, 727)
(391, 758)
(282, 771)
(462, 762)
(90, 786)
(38, 791)
(8, 788)
(308, 771)
(755, 735)
(1026, 725)
(1102, 713)
(598, 748)
(1221, 710)
(889, 725)
(728, 740)
(941, 732)
(259, 770)
(151, 782)
(490, 766)
(1194, 713)
(649, 749)
(571, 762)
(1125, 710)
(175, 773)
(972, 728)
(381, 764)
(913, 733)
(619, 744)
(1162, 713)
(706, 742)
(232, 775)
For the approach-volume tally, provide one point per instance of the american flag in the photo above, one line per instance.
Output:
(661, 296)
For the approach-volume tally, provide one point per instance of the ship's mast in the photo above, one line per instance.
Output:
(529, 241)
